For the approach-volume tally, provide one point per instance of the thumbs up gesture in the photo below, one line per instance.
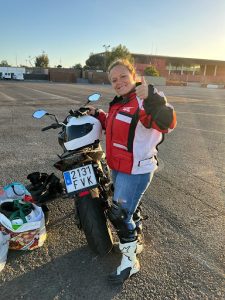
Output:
(142, 89)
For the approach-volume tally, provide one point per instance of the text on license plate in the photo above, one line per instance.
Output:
(79, 178)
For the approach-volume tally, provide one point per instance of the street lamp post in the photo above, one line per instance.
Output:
(106, 49)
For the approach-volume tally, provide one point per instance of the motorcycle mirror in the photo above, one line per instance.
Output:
(94, 97)
(38, 114)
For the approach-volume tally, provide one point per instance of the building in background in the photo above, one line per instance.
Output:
(16, 73)
(172, 70)
(183, 69)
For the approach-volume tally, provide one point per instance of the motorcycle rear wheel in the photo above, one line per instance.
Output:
(94, 224)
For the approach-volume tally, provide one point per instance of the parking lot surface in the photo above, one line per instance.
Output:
(184, 256)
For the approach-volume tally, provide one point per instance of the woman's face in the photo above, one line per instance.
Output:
(122, 80)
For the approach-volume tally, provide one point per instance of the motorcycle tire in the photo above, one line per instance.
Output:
(94, 224)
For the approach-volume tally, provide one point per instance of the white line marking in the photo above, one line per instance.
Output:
(7, 97)
(49, 94)
(216, 105)
(193, 113)
(52, 96)
(193, 101)
(192, 128)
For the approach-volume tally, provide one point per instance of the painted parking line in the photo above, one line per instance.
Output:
(200, 104)
(52, 96)
(6, 97)
(199, 129)
(203, 114)
(193, 101)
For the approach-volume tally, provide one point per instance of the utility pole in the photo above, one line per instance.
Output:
(106, 49)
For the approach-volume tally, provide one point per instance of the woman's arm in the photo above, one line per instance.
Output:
(156, 112)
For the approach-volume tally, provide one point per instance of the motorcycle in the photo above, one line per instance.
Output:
(85, 173)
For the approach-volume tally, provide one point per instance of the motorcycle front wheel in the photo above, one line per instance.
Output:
(94, 224)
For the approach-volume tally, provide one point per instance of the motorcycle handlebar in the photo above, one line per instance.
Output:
(53, 126)
(46, 128)
(82, 111)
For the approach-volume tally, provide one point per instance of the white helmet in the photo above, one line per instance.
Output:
(82, 131)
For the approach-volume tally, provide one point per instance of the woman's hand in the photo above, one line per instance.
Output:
(91, 111)
(142, 89)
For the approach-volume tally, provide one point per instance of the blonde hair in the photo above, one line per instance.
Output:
(122, 62)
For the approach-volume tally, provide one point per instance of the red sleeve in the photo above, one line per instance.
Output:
(165, 121)
(102, 118)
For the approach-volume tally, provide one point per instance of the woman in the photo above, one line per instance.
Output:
(137, 120)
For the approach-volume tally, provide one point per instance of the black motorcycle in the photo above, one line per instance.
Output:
(85, 172)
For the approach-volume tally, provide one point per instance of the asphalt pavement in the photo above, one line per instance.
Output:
(184, 256)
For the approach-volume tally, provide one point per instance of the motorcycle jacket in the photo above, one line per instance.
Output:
(134, 128)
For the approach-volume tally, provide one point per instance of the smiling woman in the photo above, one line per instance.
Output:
(122, 80)
(122, 77)
(137, 119)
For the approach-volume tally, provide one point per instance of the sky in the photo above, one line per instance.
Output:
(69, 31)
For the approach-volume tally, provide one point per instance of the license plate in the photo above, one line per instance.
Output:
(79, 178)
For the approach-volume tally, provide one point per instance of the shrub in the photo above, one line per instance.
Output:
(151, 71)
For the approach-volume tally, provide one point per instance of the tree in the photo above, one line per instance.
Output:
(151, 71)
(4, 63)
(77, 66)
(85, 67)
(101, 61)
(95, 62)
(119, 52)
(59, 66)
(42, 61)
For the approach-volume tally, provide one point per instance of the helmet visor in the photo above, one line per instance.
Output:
(78, 131)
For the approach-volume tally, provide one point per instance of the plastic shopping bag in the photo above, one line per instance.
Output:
(4, 247)
(24, 222)
(15, 190)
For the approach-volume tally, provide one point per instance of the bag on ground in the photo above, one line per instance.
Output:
(15, 190)
(4, 247)
(24, 222)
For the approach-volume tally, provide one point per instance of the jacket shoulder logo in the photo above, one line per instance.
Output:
(127, 109)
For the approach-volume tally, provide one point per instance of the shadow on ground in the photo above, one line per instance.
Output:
(76, 275)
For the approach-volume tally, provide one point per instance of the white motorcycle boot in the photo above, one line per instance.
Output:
(140, 242)
(140, 246)
(129, 264)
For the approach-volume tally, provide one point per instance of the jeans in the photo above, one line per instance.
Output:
(128, 191)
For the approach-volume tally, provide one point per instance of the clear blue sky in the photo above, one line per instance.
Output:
(68, 31)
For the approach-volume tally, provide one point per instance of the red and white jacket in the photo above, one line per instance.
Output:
(134, 128)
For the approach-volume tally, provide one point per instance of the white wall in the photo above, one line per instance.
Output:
(17, 71)
(155, 80)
